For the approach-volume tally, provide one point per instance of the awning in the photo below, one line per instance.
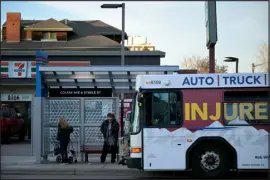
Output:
(119, 78)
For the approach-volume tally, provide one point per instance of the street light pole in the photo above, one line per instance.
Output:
(123, 36)
(122, 63)
(236, 65)
(115, 6)
(233, 59)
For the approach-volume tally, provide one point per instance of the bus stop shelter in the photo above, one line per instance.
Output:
(79, 111)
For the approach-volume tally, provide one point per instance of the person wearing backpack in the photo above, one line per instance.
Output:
(109, 129)
(63, 136)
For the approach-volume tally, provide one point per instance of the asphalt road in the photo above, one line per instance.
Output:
(69, 177)
(116, 177)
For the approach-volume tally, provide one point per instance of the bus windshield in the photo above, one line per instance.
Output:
(158, 109)
(162, 109)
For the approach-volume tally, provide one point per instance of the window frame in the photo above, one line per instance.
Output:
(49, 36)
(54, 34)
(134, 104)
(181, 120)
(244, 100)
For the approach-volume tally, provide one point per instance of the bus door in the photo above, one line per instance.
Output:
(162, 140)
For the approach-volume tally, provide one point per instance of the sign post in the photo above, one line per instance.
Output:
(211, 32)
(38, 126)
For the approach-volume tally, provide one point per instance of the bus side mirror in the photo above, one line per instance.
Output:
(140, 98)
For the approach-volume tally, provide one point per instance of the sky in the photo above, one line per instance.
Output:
(177, 28)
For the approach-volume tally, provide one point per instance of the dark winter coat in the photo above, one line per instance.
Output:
(114, 129)
(63, 134)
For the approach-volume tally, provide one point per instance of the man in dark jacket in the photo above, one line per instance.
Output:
(109, 128)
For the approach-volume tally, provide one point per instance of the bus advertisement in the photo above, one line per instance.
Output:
(207, 123)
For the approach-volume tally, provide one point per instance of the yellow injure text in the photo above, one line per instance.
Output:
(245, 111)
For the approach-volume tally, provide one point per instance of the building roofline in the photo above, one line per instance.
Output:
(96, 48)
(47, 29)
(85, 53)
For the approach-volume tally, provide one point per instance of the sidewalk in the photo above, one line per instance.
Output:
(27, 165)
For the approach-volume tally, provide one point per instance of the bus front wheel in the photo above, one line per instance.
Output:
(208, 160)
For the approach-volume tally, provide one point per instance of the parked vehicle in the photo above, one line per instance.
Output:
(209, 124)
(12, 124)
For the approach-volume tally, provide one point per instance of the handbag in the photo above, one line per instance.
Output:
(56, 150)
(110, 141)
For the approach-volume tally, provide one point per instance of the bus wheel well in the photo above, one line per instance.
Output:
(210, 141)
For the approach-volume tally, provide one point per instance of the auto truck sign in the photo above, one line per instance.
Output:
(206, 80)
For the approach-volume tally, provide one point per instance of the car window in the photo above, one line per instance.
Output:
(4, 113)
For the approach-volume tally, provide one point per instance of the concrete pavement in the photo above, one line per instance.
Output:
(27, 165)
(71, 169)
(17, 148)
(28, 168)
(16, 158)
(19, 164)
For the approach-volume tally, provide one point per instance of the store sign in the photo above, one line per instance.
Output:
(19, 69)
(80, 92)
(16, 97)
(27, 69)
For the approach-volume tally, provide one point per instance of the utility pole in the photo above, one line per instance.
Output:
(253, 67)
(211, 32)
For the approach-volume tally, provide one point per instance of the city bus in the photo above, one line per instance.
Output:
(208, 124)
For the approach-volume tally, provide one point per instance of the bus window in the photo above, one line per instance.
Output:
(246, 108)
(162, 109)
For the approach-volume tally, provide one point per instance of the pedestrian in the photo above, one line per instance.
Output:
(63, 136)
(109, 128)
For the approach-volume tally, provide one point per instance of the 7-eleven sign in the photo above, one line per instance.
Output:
(19, 69)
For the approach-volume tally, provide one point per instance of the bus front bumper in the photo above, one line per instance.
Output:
(135, 163)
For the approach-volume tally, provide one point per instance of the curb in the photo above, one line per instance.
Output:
(99, 173)
(70, 171)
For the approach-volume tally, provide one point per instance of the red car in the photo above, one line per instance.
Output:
(12, 124)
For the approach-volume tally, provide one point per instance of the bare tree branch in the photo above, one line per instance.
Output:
(201, 64)
(263, 57)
